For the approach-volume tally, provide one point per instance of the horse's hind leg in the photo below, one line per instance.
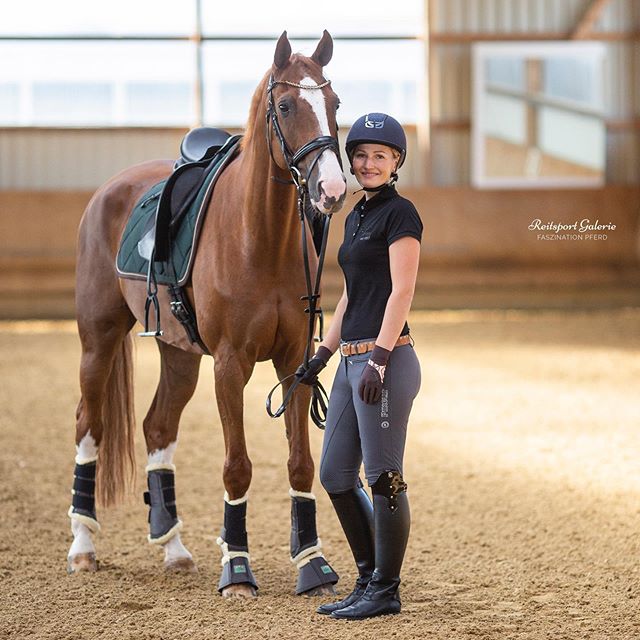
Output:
(105, 406)
(178, 379)
(315, 575)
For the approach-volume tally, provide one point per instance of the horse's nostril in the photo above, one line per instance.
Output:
(335, 189)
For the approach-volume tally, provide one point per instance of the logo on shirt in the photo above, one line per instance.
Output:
(366, 233)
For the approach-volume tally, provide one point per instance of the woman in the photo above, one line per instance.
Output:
(379, 374)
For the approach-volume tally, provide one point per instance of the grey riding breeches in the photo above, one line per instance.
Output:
(375, 434)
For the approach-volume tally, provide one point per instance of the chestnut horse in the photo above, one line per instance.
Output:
(247, 279)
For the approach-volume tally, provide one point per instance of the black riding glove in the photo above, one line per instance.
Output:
(370, 387)
(309, 374)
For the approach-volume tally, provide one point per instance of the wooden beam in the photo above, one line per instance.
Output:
(617, 126)
(424, 121)
(453, 38)
(583, 29)
(464, 124)
(198, 86)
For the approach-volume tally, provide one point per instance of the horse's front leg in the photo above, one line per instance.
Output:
(232, 372)
(315, 575)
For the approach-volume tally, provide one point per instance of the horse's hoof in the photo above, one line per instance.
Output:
(242, 590)
(180, 565)
(81, 563)
(320, 590)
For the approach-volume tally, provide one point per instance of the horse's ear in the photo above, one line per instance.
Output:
(324, 50)
(283, 51)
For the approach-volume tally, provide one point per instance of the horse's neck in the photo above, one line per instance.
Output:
(270, 221)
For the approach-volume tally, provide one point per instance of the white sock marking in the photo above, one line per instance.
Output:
(175, 550)
(163, 456)
(82, 542)
(87, 450)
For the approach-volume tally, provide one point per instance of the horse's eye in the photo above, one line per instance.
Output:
(284, 107)
(337, 106)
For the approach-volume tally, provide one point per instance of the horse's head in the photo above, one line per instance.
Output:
(302, 129)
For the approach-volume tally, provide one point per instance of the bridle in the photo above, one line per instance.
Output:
(320, 144)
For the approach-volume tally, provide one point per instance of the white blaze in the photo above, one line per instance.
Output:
(329, 172)
(315, 98)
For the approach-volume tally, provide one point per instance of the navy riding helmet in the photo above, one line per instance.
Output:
(377, 128)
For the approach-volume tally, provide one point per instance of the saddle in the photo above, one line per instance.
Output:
(200, 150)
(159, 242)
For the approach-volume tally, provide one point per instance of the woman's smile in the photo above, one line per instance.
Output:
(373, 164)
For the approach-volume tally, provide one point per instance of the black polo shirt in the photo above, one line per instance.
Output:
(370, 229)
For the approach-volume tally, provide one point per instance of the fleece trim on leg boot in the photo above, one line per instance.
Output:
(306, 547)
(234, 544)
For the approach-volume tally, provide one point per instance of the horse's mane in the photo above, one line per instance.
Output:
(256, 111)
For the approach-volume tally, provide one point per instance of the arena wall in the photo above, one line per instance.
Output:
(478, 248)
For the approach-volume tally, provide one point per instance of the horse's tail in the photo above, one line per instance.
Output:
(117, 462)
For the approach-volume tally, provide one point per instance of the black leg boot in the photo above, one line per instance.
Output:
(392, 523)
(355, 512)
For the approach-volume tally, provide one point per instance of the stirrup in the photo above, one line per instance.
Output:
(152, 299)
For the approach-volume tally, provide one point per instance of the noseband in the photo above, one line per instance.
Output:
(319, 398)
(294, 158)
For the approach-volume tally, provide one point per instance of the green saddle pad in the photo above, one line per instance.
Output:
(129, 262)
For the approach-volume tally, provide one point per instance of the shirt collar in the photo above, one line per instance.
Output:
(384, 194)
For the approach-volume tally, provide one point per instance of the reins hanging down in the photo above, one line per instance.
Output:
(319, 400)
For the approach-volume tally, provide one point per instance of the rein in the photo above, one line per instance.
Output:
(319, 400)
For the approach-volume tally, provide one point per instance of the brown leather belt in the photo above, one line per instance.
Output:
(355, 348)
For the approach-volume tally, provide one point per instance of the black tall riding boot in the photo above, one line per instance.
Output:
(392, 524)
(355, 513)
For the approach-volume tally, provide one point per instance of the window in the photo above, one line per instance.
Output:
(538, 115)
(135, 64)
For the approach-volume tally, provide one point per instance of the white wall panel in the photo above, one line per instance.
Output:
(617, 16)
(512, 15)
(450, 158)
(43, 159)
(623, 158)
(77, 159)
(619, 83)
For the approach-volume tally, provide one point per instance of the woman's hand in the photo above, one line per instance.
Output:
(309, 374)
(372, 377)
